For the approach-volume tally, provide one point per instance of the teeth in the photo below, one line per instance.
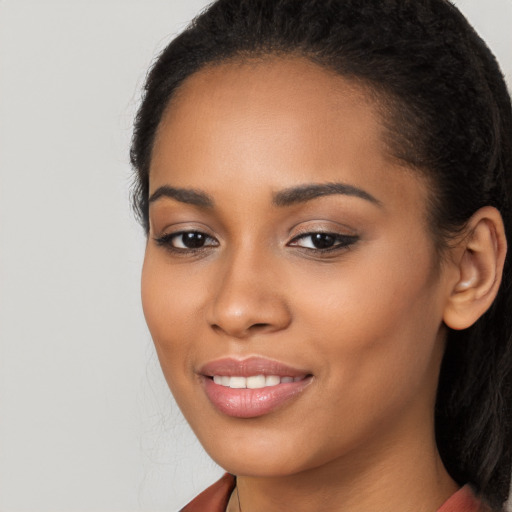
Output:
(253, 382)
(256, 382)
(272, 380)
(237, 382)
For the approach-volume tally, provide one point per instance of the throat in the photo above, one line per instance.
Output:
(329, 493)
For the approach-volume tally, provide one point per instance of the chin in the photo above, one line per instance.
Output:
(257, 451)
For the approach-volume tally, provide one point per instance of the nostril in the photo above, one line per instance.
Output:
(259, 326)
(241, 331)
(216, 328)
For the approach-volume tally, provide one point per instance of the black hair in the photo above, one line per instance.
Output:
(451, 119)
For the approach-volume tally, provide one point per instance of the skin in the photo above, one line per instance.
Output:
(365, 320)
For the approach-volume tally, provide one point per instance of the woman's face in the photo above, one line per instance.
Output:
(290, 282)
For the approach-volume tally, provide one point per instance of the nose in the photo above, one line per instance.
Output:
(249, 298)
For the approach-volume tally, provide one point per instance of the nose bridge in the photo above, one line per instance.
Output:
(248, 297)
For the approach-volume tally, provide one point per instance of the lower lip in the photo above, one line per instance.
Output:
(251, 403)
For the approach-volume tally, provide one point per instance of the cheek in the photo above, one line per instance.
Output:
(376, 320)
(166, 298)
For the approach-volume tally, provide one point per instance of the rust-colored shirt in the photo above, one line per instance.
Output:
(216, 497)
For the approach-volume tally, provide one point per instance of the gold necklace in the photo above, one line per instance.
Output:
(238, 497)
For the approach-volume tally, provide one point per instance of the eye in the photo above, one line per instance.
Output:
(323, 241)
(186, 241)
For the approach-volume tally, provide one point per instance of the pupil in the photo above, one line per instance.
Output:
(323, 241)
(193, 240)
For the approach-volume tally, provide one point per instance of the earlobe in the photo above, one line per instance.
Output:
(481, 256)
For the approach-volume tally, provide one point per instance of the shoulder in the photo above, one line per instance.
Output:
(215, 498)
(464, 500)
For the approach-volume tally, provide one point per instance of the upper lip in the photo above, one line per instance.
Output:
(250, 366)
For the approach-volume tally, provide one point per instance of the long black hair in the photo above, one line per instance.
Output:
(448, 116)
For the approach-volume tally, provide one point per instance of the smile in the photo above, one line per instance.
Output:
(252, 387)
(253, 382)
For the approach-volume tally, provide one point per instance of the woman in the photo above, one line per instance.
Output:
(325, 186)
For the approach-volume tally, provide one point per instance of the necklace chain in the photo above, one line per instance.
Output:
(238, 497)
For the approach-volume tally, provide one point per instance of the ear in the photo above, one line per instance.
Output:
(479, 260)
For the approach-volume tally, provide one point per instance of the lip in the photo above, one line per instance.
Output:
(251, 403)
(251, 366)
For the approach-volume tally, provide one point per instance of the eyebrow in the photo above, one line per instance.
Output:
(286, 197)
(304, 193)
(183, 195)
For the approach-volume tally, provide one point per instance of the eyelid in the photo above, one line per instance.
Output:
(341, 241)
(321, 226)
(166, 238)
(183, 226)
(162, 239)
(344, 236)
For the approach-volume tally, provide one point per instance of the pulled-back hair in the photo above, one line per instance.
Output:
(449, 117)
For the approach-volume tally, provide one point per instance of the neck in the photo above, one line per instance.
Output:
(400, 474)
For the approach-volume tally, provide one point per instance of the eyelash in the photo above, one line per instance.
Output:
(340, 242)
(168, 239)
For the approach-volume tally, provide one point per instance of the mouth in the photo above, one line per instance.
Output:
(252, 387)
(254, 381)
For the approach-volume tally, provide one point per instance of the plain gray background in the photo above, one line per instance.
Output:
(86, 421)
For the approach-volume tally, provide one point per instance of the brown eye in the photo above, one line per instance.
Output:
(187, 240)
(323, 241)
(191, 240)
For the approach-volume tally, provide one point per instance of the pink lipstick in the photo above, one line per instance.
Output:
(251, 387)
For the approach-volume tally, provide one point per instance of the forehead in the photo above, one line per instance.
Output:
(274, 121)
(267, 87)
(282, 82)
